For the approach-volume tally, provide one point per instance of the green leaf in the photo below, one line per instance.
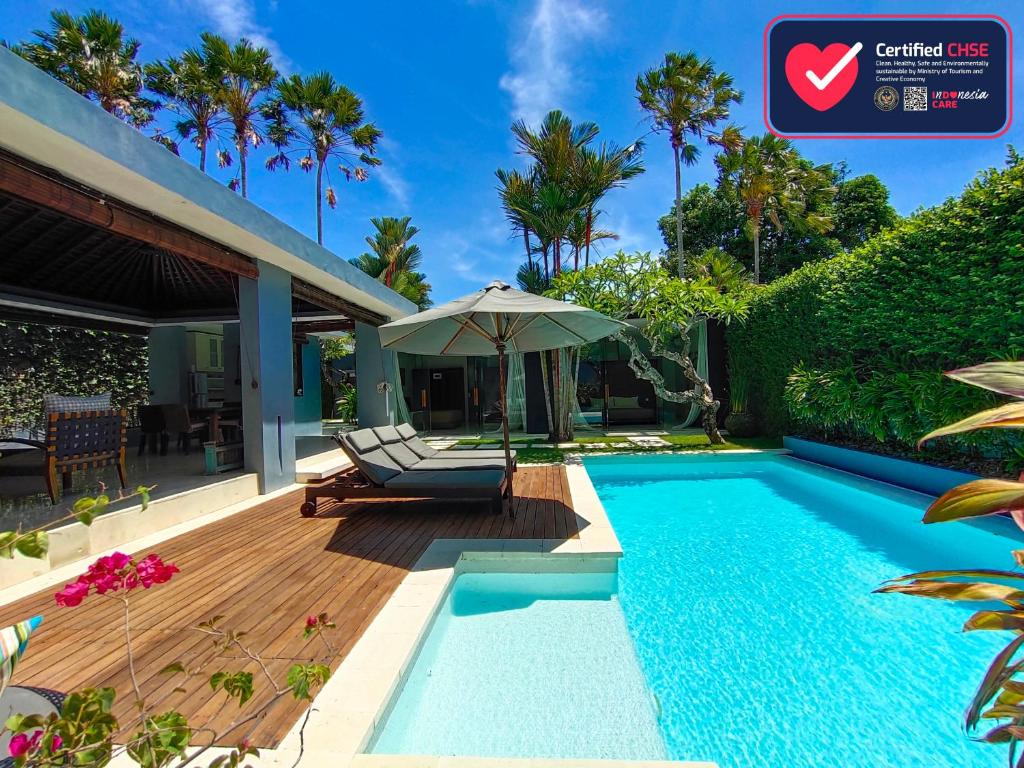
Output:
(34, 544)
(1010, 415)
(6, 540)
(304, 677)
(163, 737)
(143, 493)
(976, 499)
(172, 668)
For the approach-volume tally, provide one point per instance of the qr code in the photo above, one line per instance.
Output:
(915, 99)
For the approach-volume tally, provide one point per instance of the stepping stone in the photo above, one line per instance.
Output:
(463, 447)
(490, 447)
(649, 441)
(567, 445)
(593, 446)
(542, 445)
(620, 445)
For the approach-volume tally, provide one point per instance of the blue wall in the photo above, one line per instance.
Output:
(917, 476)
(307, 407)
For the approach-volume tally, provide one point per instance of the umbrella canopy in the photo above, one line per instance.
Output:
(475, 324)
(492, 320)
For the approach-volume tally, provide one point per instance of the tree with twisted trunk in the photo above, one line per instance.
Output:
(664, 309)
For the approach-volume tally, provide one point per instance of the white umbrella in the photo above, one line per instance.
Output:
(492, 320)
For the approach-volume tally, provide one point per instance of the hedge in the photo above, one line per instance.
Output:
(38, 359)
(941, 289)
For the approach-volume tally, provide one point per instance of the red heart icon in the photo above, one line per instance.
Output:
(806, 57)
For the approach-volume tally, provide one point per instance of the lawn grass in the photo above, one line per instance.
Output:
(678, 443)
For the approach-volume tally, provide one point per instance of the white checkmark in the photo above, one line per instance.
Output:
(821, 83)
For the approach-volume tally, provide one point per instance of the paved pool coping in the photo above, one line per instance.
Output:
(346, 713)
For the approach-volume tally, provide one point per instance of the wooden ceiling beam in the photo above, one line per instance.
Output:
(22, 182)
(321, 298)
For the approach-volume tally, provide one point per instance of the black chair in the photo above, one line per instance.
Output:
(154, 428)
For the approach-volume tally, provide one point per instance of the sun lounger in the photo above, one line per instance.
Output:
(382, 477)
(406, 457)
(424, 451)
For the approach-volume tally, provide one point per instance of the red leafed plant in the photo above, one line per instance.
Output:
(999, 699)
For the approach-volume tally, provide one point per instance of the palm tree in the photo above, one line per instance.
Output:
(247, 76)
(686, 97)
(582, 233)
(769, 178)
(90, 54)
(189, 84)
(393, 260)
(518, 192)
(328, 123)
(599, 172)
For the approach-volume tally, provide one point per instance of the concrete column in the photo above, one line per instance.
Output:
(374, 365)
(168, 365)
(232, 364)
(308, 405)
(268, 400)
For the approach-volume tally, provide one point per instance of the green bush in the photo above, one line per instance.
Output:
(855, 345)
(39, 359)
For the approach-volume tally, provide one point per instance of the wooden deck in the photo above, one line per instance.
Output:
(264, 570)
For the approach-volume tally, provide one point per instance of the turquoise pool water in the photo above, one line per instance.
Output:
(526, 665)
(747, 588)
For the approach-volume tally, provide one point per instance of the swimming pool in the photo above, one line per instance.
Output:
(747, 582)
(526, 665)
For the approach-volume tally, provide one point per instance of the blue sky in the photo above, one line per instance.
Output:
(444, 79)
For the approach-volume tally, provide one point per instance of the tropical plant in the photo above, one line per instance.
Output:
(638, 287)
(324, 121)
(347, 404)
(740, 422)
(766, 174)
(86, 732)
(394, 260)
(189, 85)
(596, 173)
(332, 349)
(247, 78)
(90, 55)
(875, 310)
(37, 359)
(685, 97)
(529, 278)
(555, 199)
(518, 192)
(998, 702)
(723, 270)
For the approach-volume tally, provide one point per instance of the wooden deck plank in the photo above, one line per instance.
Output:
(265, 570)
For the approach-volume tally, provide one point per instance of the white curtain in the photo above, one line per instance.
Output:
(401, 409)
(515, 393)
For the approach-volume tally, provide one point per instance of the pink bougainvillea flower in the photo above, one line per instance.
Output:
(73, 594)
(311, 622)
(115, 573)
(56, 743)
(22, 744)
(152, 570)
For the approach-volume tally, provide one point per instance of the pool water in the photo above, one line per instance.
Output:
(747, 584)
(526, 665)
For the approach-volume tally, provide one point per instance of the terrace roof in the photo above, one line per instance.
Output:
(80, 157)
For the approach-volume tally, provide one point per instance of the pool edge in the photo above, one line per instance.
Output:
(341, 723)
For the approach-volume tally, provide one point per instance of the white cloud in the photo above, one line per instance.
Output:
(395, 184)
(541, 68)
(390, 174)
(237, 18)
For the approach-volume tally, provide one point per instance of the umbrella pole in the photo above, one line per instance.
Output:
(503, 395)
